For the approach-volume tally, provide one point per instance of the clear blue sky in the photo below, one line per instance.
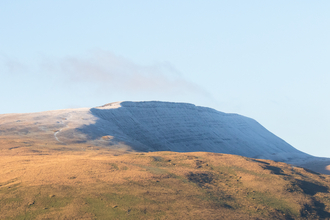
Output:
(268, 60)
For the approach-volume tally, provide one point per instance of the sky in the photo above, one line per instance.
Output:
(267, 60)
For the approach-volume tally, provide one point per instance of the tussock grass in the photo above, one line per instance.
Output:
(103, 184)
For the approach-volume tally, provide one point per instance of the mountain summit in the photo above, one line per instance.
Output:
(154, 126)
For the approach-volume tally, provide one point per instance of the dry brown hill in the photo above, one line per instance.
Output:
(82, 182)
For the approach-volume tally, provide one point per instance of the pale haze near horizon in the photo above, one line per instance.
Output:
(261, 59)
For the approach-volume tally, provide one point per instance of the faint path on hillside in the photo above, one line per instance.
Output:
(58, 131)
(55, 135)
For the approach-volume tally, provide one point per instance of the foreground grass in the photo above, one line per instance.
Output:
(100, 184)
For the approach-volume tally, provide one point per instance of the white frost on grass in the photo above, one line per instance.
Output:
(182, 127)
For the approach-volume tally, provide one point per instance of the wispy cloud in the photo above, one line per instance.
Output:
(113, 72)
(13, 66)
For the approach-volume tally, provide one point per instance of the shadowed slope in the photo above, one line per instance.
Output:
(159, 126)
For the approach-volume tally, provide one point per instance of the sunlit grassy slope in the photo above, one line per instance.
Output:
(58, 182)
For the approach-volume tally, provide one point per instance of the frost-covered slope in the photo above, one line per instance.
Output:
(154, 126)
(182, 127)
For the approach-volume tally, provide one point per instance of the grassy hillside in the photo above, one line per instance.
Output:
(93, 183)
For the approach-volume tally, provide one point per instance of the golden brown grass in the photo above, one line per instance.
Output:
(82, 182)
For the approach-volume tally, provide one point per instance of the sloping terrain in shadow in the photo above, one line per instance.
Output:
(181, 127)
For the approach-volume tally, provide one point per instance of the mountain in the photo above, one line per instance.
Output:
(155, 126)
(138, 160)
